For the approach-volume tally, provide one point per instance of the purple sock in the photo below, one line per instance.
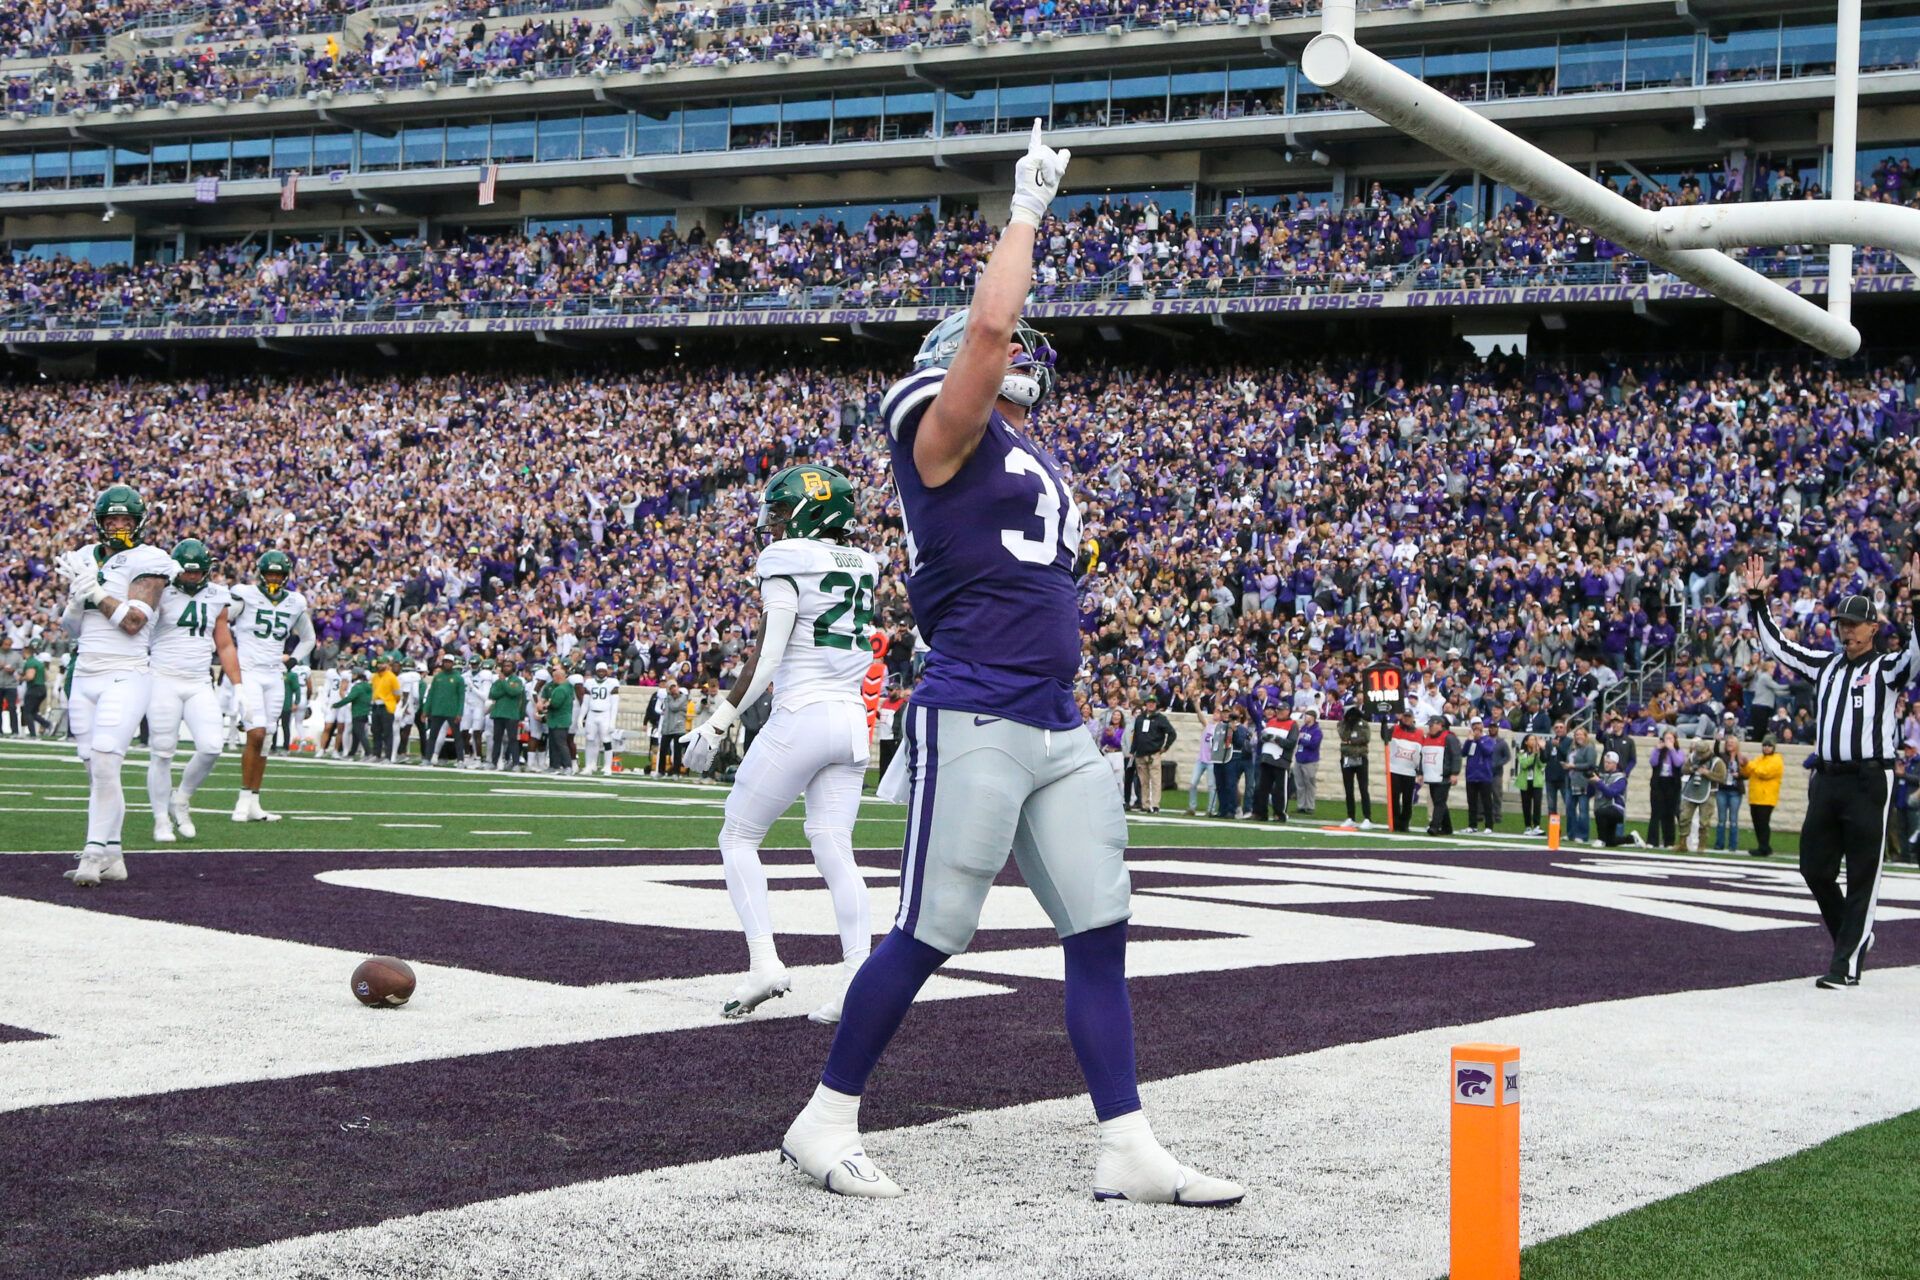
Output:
(1100, 1018)
(877, 1000)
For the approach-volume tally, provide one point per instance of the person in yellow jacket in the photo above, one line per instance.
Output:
(386, 697)
(1763, 774)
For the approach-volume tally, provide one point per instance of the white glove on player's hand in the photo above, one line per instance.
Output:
(1036, 179)
(82, 586)
(703, 744)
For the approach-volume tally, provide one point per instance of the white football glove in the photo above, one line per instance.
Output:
(1036, 179)
(703, 744)
(81, 585)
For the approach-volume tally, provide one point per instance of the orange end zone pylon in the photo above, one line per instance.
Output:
(1485, 1163)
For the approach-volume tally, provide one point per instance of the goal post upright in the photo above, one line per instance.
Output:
(1846, 120)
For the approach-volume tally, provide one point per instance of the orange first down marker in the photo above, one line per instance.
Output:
(1485, 1238)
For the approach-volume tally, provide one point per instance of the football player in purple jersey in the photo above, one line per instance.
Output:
(995, 762)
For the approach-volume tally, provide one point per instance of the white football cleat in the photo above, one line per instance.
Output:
(1366, 824)
(242, 811)
(116, 868)
(1134, 1166)
(756, 990)
(255, 813)
(828, 1014)
(93, 865)
(832, 1155)
(162, 830)
(182, 817)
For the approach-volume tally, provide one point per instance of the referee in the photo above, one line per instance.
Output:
(1848, 798)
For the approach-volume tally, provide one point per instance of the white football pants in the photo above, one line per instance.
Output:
(599, 738)
(819, 752)
(176, 699)
(103, 713)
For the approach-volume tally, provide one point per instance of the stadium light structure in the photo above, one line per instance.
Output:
(1684, 241)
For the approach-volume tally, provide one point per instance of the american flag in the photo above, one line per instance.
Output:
(290, 193)
(207, 190)
(489, 178)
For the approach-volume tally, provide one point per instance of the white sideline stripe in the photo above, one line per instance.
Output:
(486, 831)
(610, 783)
(421, 826)
(595, 840)
(570, 815)
(317, 817)
(1343, 1151)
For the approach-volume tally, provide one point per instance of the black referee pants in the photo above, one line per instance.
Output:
(1846, 823)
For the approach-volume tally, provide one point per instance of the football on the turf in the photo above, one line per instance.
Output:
(383, 982)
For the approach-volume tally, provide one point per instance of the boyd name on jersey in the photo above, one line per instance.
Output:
(830, 651)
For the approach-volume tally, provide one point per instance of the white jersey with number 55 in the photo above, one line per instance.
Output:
(183, 638)
(830, 650)
(261, 626)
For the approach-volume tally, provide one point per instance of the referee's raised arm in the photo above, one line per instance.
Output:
(1796, 658)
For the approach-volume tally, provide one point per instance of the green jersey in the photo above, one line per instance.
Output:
(33, 672)
(447, 694)
(509, 698)
(559, 705)
(360, 698)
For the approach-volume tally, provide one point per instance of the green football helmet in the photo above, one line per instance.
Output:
(119, 500)
(816, 500)
(275, 562)
(192, 556)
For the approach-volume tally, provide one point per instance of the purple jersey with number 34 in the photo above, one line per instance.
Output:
(990, 558)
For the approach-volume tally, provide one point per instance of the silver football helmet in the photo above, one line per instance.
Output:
(1029, 377)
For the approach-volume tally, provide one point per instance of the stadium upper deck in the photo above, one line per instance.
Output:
(624, 120)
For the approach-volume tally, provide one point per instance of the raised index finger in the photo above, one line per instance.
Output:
(1036, 132)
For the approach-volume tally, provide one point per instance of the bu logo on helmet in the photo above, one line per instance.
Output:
(817, 487)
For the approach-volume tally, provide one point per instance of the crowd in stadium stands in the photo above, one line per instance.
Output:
(1125, 249)
(454, 41)
(264, 19)
(44, 28)
(1522, 539)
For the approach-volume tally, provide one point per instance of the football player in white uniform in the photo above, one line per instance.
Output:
(191, 635)
(816, 597)
(262, 617)
(406, 713)
(473, 711)
(335, 722)
(603, 716)
(112, 610)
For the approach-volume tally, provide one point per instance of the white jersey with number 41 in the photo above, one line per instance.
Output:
(183, 637)
(830, 650)
(261, 626)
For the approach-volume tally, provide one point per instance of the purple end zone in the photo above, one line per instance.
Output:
(251, 1163)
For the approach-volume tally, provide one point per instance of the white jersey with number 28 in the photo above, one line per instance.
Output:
(830, 650)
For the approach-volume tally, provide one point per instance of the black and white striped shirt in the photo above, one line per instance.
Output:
(1855, 699)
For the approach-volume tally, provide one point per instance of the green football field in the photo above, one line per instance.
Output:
(359, 805)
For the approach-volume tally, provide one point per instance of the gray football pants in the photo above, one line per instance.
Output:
(983, 787)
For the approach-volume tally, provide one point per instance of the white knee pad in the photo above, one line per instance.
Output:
(740, 835)
(829, 842)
